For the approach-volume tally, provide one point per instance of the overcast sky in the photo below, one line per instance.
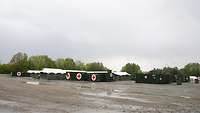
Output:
(151, 33)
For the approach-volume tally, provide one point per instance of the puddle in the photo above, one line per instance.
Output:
(131, 98)
(177, 104)
(86, 87)
(102, 94)
(118, 91)
(33, 83)
(9, 103)
(185, 97)
(130, 107)
(116, 96)
(96, 111)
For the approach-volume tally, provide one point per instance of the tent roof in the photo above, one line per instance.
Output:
(97, 72)
(52, 70)
(33, 71)
(56, 71)
(74, 71)
(121, 73)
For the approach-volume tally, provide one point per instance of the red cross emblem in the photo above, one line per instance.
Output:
(94, 77)
(78, 76)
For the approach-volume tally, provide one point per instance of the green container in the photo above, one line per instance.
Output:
(179, 80)
(140, 78)
(153, 79)
(34, 75)
(100, 76)
(122, 78)
(52, 76)
(77, 76)
(196, 81)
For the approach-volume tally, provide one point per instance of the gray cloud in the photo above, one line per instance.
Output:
(152, 33)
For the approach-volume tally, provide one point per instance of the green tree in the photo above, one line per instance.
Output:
(67, 63)
(192, 69)
(41, 61)
(170, 71)
(19, 62)
(80, 65)
(60, 63)
(5, 69)
(131, 68)
(95, 66)
(18, 58)
(155, 71)
(70, 64)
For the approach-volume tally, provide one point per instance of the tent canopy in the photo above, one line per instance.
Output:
(121, 73)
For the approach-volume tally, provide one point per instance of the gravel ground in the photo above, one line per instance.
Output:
(16, 96)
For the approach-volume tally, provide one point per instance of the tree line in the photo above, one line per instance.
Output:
(21, 62)
(191, 69)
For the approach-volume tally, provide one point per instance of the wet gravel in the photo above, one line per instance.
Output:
(16, 96)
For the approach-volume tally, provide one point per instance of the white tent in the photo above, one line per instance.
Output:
(52, 70)
(121, 73)
(33, 71)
